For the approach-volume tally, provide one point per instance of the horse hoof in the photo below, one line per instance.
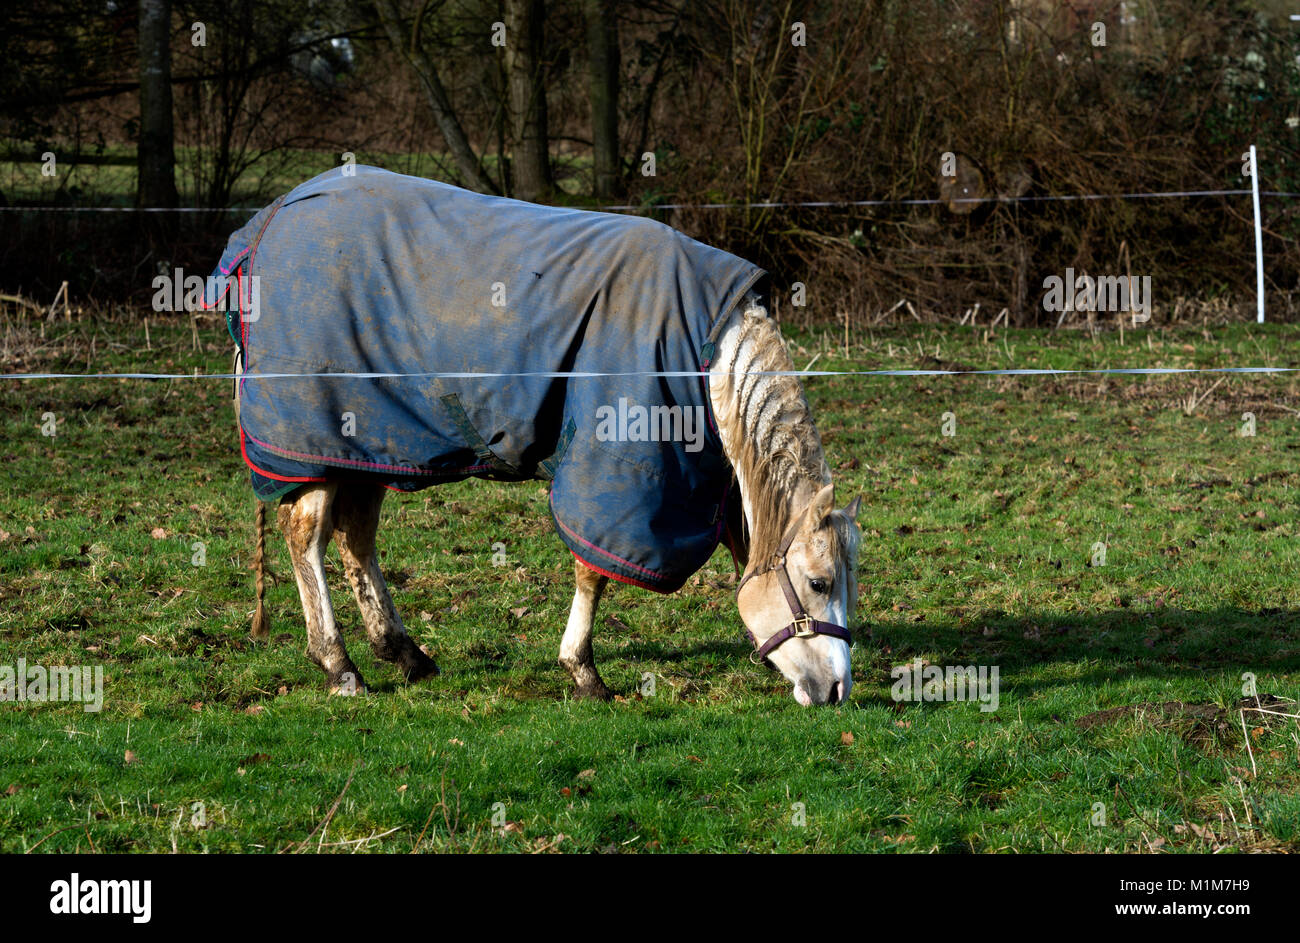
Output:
(348, 684)
(419, 667)
(594, 692)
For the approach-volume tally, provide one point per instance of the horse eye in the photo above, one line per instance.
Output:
(818, 586)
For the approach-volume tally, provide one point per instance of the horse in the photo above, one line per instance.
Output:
(357, 268)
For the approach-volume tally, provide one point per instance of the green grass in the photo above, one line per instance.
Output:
(977, 551)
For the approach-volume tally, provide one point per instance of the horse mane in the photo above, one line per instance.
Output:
(779, 448)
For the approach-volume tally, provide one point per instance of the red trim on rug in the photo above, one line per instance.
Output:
(622, 579)
(399, 471)
(578, 537)
(266, 474)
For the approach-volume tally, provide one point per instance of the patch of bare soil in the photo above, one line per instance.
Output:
(1202, 725)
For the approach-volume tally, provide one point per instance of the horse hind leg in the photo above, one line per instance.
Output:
(575, 647)
(356, 519)
(307, 521)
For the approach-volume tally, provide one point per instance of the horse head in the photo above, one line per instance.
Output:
(797, 606)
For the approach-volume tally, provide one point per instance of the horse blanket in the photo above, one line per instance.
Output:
(464, 303)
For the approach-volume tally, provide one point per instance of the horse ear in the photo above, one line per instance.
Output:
(820, 508)
(854, 506)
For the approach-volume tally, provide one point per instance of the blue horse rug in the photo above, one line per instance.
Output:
(453, 295)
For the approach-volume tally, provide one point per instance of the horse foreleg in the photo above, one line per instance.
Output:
(308, 524)
(356, 518)
(575, 647)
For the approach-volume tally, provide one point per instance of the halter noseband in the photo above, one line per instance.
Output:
(804, 625)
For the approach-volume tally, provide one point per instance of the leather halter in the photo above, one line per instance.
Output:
(804, 625)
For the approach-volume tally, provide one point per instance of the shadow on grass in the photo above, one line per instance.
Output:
(1162, 643)
(1165, 643)
(672, 652)
(1157, 642)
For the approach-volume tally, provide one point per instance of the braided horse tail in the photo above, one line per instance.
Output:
(261, 624)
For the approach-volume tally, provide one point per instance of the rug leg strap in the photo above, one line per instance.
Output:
(472, 438)
(548, 466)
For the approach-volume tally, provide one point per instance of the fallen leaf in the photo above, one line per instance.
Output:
(564, 791)
(520, 612)
(846, 738)
(617, 624)
(455, 742)
(196, 706)
(282, 690)
(694, 759)
(13, 789)
(402, 788)
(131, 757)
(158, 533)
(254, 709)
(903, 723)
(587, 774)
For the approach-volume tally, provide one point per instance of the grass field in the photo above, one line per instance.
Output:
(1120, 683)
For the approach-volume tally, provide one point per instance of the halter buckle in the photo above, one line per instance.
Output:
(803, 626)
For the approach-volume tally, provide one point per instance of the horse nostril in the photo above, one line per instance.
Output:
(835, 693)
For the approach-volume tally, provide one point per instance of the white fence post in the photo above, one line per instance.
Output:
(1259, 238)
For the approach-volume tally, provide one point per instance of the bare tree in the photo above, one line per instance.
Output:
(156, 156)
(467, 162)
(603, 89)
(526, 69)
